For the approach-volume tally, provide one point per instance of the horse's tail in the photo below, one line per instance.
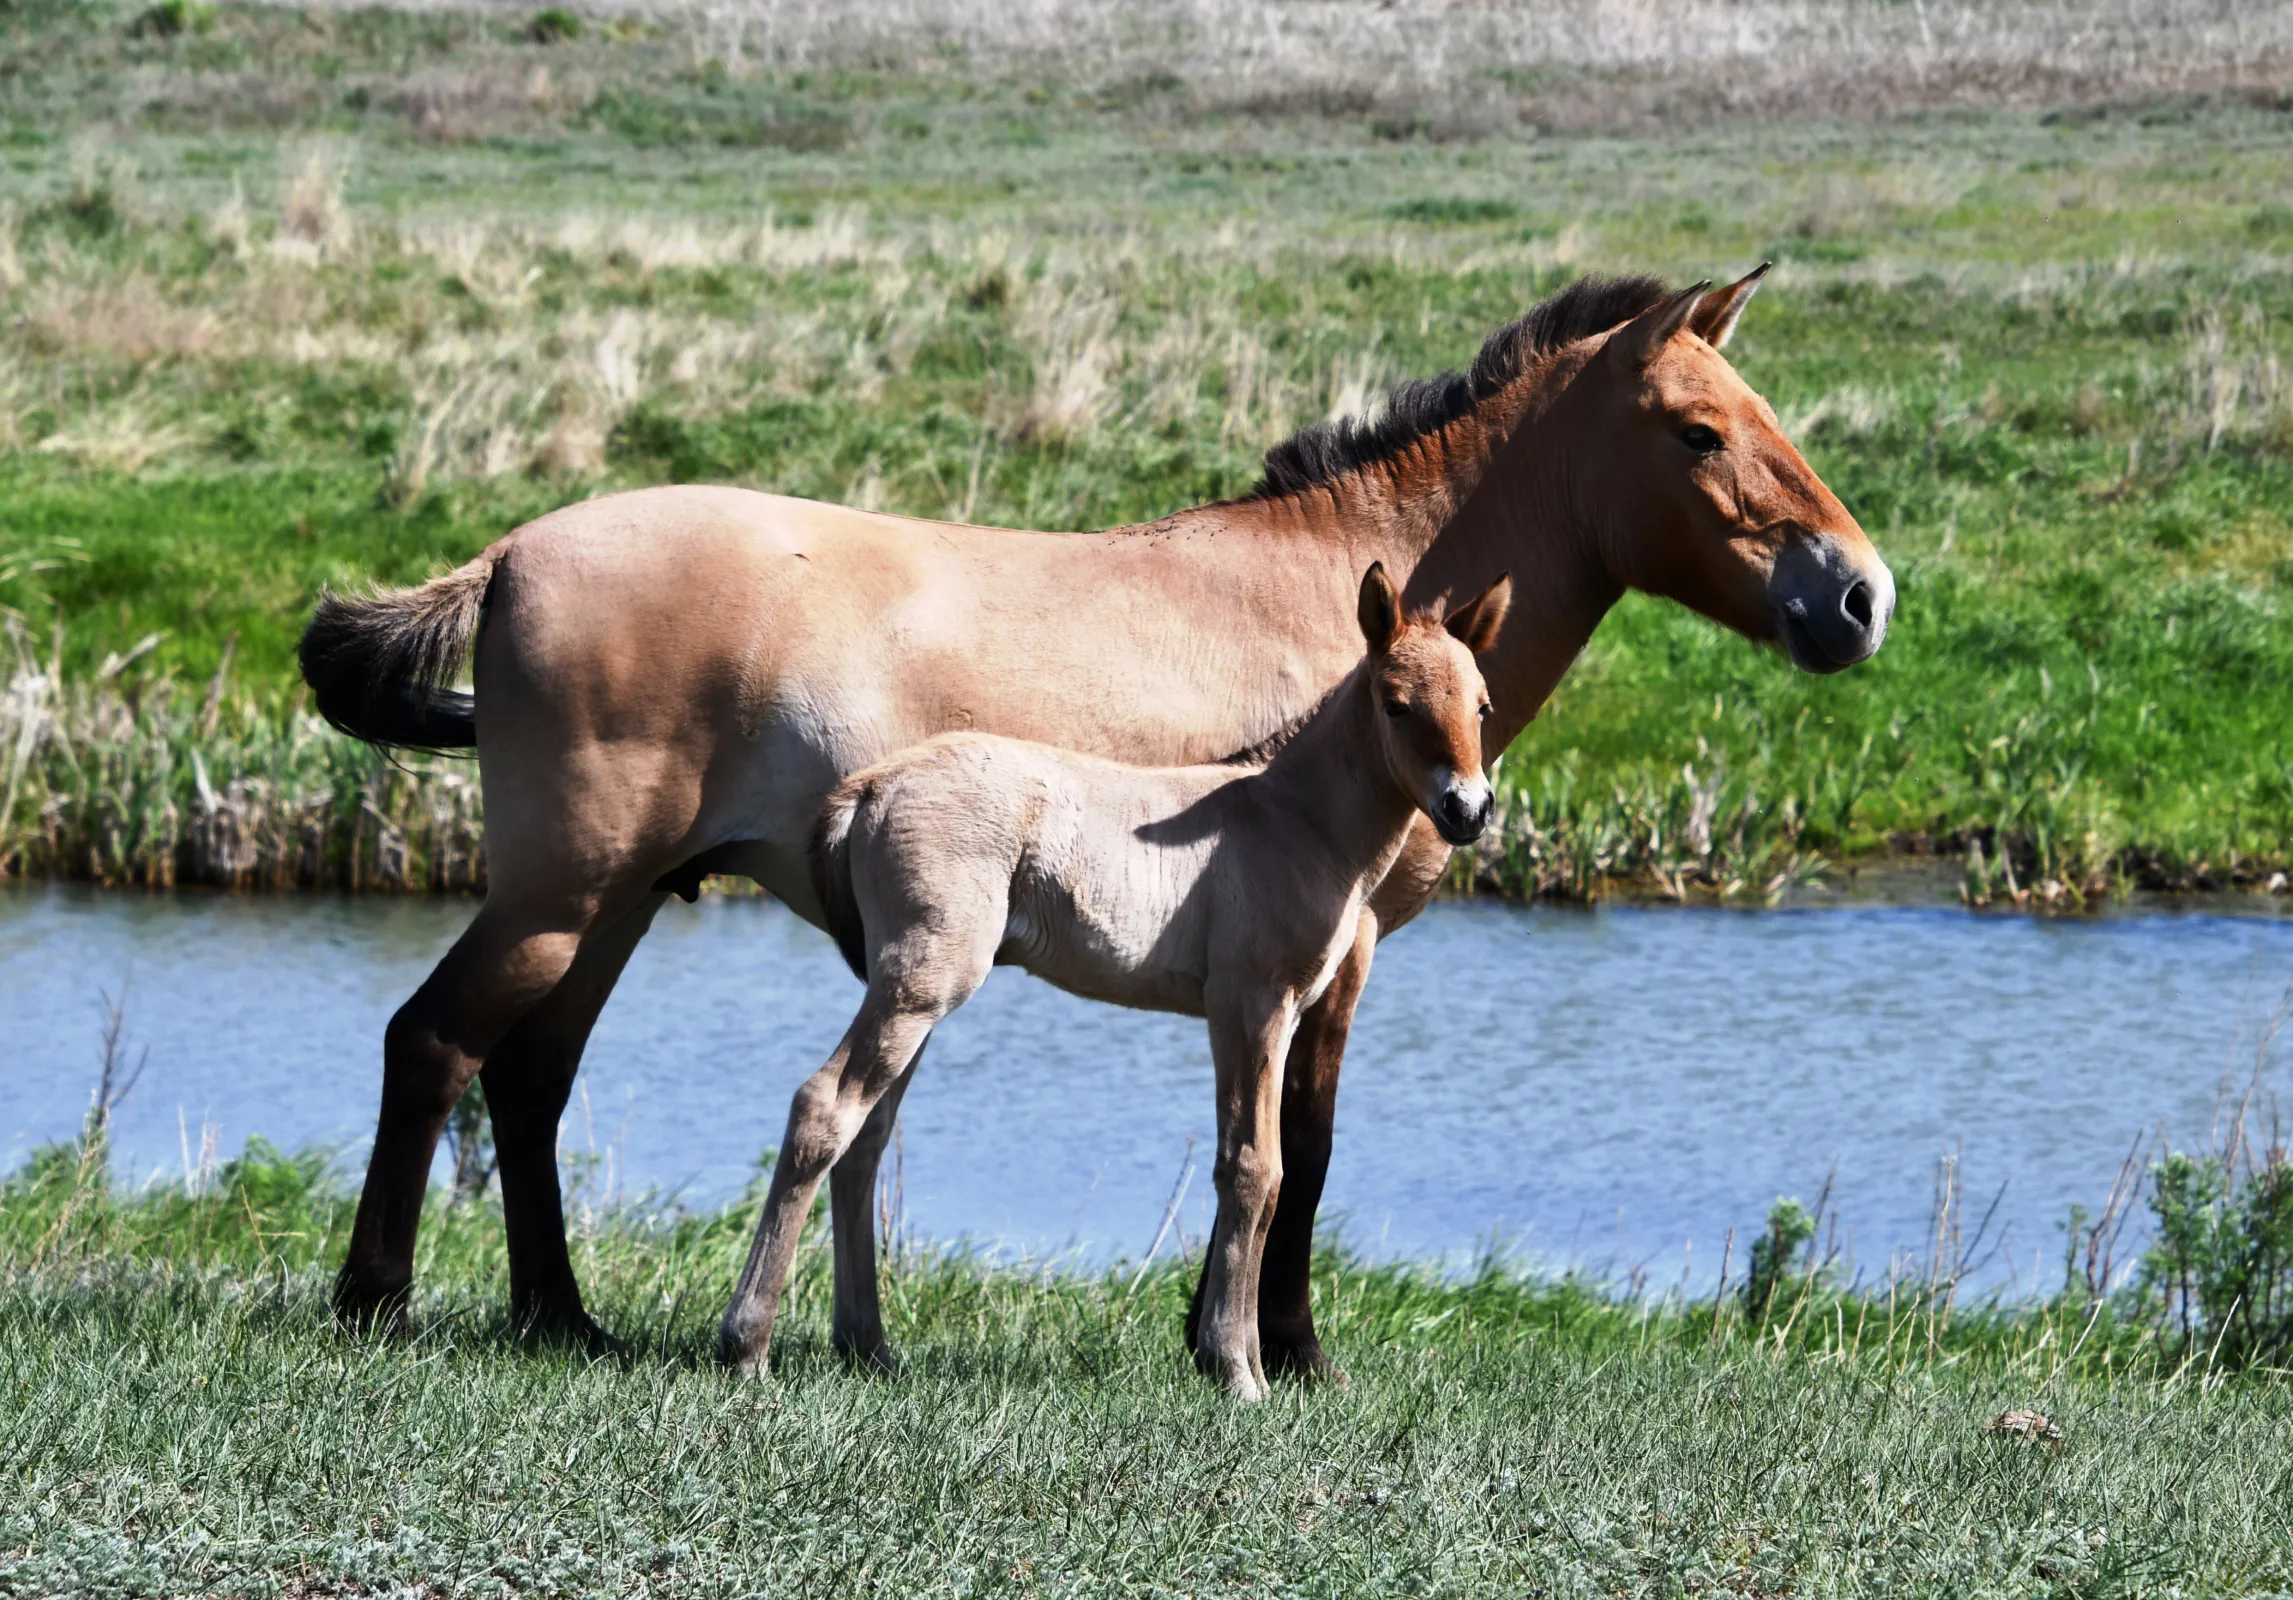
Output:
(379, 664)
(831, 861)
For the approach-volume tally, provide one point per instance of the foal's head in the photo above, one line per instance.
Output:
(1430, 698)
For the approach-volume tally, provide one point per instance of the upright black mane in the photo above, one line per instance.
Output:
(1327, 451)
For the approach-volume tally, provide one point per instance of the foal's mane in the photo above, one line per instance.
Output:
(1326, 451)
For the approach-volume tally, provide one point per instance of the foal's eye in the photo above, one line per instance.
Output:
(1701, 439)
(1396, 708)
(1484, 713)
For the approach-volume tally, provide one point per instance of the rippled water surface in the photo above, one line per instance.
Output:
(1619, 1087)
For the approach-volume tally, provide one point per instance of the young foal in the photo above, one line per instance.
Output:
(1230, 892)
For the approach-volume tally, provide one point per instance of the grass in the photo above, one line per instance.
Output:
(180, 1416)
(291, 299)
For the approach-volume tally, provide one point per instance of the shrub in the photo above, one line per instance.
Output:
(1776, 1280)
(2219, 1276)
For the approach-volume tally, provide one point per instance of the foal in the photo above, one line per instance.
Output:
(1229, 892)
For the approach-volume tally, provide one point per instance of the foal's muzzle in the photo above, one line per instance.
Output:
(1462, 813)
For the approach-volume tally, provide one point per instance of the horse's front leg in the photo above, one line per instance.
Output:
(1309, 1116)
(1248, 1038)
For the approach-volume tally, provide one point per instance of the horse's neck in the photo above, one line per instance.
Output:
(1325, 773)
(1491, 495)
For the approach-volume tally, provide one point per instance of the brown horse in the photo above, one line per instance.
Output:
(669, 682)
(1232, 892)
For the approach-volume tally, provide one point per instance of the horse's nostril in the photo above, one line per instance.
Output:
(1855, 604)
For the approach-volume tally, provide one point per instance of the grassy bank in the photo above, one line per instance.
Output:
(290, 299)
(179, 1416)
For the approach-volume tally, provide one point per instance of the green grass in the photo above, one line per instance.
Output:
(178, 1415)
(358, 336)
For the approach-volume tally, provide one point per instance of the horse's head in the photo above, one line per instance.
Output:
(1429, 698)
(1704, 501)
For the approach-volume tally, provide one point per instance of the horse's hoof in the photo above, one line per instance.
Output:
(1242, 1388)
(369, 1313)
(875, 1358)
(1307, 1363)
(572, 1330)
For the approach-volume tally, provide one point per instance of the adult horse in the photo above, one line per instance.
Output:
(667, 683)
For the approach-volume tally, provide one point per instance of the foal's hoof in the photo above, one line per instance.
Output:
(1234, 1375)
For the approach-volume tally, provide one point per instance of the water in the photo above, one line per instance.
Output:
(1618, 1088)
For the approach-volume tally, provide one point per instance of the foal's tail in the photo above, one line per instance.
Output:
(379, 664)
(831, 860)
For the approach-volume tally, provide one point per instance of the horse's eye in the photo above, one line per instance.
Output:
(1701, 439)
(1484, 713)
(1396, 708)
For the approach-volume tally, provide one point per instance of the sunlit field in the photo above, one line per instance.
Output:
(289, 299)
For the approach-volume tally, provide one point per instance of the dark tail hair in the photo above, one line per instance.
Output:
(379, 664)
(830, 856)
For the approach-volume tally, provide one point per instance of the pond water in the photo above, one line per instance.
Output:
(1617, 1088)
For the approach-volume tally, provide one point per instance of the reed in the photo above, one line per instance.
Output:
(142, 779)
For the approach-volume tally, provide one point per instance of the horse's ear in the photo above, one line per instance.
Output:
(1643, 339)
(1475, 623)
(1380, 610)
(1716, 318)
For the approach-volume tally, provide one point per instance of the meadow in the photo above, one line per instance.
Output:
(178, 1416)
(296, 298)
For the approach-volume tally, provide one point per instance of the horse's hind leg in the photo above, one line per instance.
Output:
(509, 957)
(859, 1316)
(919, 974)
(528, 1078)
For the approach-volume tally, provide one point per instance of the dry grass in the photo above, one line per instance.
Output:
(503, 379)
(1578, 63)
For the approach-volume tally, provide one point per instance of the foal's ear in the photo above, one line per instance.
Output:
(1475, 623)
(1643, 339)
(1380, 609)
(1715, 319)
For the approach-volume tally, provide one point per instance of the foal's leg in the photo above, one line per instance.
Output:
(510, 956)
(1249, 1035)
(528, 1078)
(1309, 1112)
(944, 953)
(859, 1318)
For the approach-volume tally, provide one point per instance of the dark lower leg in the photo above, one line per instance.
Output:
(421, 1080)
(528, 1078)
(1309, 1117)
(433, 1047)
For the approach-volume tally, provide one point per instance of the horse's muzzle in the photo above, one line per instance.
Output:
(1833, 602)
